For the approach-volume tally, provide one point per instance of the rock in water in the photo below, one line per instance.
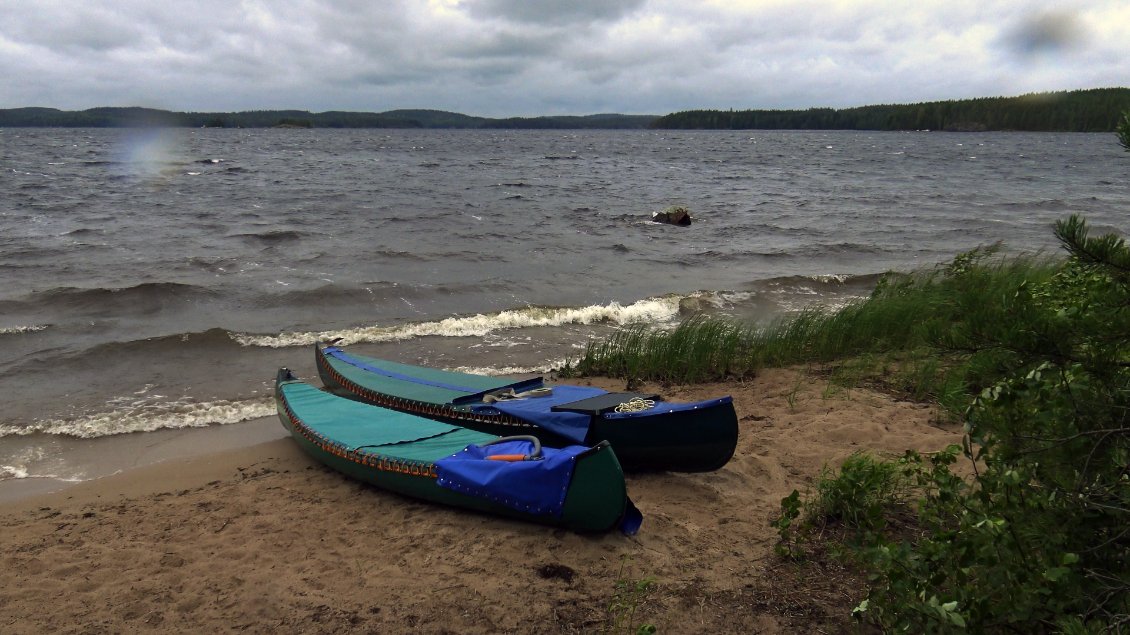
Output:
(677, 215)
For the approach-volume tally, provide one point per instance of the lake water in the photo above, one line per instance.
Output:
(155, 280)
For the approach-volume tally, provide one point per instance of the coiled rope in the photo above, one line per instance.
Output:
(636, 404)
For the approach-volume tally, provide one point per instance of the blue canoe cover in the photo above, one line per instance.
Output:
(537, 410)
(537, 487)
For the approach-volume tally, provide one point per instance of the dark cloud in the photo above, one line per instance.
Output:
(552, 12)
(80, 30)
(513, 44)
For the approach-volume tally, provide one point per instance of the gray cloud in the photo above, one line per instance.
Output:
(515, 57)
(552, 12)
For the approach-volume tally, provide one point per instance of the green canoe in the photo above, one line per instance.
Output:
(408, 455)
(651, 434)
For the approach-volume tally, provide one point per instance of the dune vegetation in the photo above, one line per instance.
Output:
(1023, 528)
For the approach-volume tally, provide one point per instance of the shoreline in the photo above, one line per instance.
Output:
(105, 457)
(263, 538)
(155, 479)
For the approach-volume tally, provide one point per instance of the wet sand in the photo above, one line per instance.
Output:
(263, 539)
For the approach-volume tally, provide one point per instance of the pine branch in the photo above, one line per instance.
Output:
(1108, 250)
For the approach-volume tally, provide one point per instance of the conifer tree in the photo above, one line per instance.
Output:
(1124, 131)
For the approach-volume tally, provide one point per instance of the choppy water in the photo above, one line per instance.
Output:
(156, 279)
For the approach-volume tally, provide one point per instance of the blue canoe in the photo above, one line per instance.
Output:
(647, 432)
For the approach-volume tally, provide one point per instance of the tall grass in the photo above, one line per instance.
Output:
(699, 349)
(917, 324)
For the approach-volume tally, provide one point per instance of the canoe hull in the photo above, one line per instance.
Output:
(596, 500)
(699, 440)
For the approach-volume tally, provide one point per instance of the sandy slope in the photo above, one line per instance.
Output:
(266, 540)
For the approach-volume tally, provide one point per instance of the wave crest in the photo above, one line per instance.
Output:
(16, 330)
(649, 310)
(149, 418)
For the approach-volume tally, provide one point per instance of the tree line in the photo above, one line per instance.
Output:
(1096, 110)
(133, 117)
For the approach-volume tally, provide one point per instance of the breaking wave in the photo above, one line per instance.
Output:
(12, 472)
(16, 330)
(148, 418)
(659, 309)
(504, 371)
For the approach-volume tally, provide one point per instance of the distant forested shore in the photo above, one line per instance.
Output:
(109, 117)
(1095, 110)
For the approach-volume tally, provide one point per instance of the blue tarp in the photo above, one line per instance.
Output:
(538, 486)
(537, 410)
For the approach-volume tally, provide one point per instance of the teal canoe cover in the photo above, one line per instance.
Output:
(357, 426)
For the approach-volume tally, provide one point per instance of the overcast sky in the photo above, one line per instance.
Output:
(530, 57)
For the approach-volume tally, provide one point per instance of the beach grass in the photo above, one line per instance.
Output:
(916, 334)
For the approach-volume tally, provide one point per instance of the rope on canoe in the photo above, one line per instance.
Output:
(635, 404)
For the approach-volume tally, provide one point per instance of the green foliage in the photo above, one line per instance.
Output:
(1095, 110)
(862, 496)
(699, 349)
(1038, 539)
(903, 335)
(144, 117)
(787, 526)
(1123, 131)
(859, 499)
(1034, 355)
(290, 122)
(625, 602)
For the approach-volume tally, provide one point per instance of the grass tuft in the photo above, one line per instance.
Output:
(917, 334)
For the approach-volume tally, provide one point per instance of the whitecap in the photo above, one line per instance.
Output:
(651, 310)
(148, 417)
(13, 330)
(12, 472)
(502, 371)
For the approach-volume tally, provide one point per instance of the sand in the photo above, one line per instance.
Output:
(264, 540)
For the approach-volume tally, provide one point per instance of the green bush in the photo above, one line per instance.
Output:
(861, 497)
(1038, 540)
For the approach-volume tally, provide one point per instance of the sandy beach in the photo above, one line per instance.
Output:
(264, 539)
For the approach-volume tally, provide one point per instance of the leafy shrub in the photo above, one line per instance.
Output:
(1038, 540)
(1033, 353)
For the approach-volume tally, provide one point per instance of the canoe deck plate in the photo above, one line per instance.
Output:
(602, 403)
